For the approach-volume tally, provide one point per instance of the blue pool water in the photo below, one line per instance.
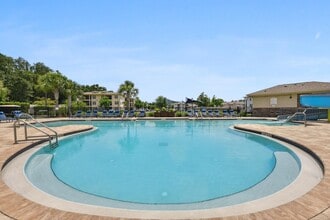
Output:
(164, 162)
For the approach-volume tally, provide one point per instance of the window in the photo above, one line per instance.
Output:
(273, 101)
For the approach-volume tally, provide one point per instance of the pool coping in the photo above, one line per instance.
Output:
(314, 204)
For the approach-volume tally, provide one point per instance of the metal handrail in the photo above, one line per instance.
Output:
(298, 113)
(22, 118)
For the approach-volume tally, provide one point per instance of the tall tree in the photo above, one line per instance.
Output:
(105, 102)
(3, 92)
(203, 99)
(216, 102)
(161, 102)
(22, 64)
(94, 87)
(139, 103)
(129, 92)
(72, 90)
(54, 82)
(40, 68)
(20, 88)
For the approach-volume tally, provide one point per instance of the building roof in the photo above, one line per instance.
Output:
(294, 88)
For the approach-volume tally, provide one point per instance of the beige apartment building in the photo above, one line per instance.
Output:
(283, 99)
(92, 99)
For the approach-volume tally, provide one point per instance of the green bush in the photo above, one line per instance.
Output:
(180, 114)
(24, 105)
(150, 114)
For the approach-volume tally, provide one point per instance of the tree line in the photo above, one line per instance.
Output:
(39, 84)
(21, 81)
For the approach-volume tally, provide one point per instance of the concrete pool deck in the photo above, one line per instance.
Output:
(313, 205)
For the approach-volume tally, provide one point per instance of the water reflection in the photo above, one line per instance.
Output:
(130, 138)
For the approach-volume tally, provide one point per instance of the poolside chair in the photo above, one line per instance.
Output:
(95, 113)
(232, 113)
(4, 118)
(17, 113)
(116, 113)
(104, 113)
(111, 113)
(125, 114)
(78, 114)
(142, 113)
(225, 113)
(204, 113)
(88, 113)
(210, 113)
(131, 113)
(216, 113)
(190, 113)
(196, 113)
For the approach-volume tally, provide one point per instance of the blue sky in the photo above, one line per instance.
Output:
(173, 48)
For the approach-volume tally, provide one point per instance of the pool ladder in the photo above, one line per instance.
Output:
(290, 118)
(27, 120)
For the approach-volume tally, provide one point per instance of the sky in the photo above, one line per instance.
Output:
(173, 48)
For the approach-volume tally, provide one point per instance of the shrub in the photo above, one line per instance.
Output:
(179, 114)
(150, 114)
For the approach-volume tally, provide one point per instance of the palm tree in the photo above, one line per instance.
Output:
(129, 92)
(72, 89)
(53, 82)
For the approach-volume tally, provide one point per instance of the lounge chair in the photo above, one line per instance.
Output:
(125, 114)
(225, 113)
(190, 113)
(216, 113)
(210, 113)
(4, 118)
(204, 113)
(17, 113)
(196, 113)
(131, 113)
(116, 113)
(232, 113)
(142, 113)
(104, 113)
(78, 114)
(88, 113)
(111, 113)
(95, 113)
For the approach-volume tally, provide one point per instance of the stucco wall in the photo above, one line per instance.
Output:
(281, 101)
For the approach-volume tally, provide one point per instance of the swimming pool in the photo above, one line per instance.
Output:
(164, 165)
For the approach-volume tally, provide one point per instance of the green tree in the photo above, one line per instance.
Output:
(40, 69)
(203, 99)
(3, 92)
(20, 88)
(161, 102)
(129, 92)
(53, 82)
(22, 64)
(6, 66)
(94, 87)
(72, 90)
(139, 103)
(105, 102)
(79, 105)
(216, 102)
